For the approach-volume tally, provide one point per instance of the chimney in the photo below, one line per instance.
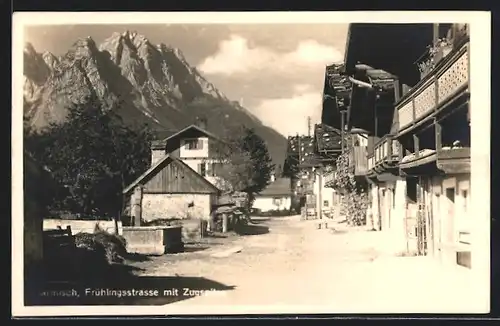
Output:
(158, 151)
(202, 122)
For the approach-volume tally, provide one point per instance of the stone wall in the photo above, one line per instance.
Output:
(153, 240)
(180, 206)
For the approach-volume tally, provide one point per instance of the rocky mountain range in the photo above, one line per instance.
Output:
(144, 83)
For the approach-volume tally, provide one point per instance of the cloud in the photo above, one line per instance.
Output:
(236, 56)
(288, 116)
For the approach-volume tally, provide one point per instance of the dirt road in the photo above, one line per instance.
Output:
(291, 267)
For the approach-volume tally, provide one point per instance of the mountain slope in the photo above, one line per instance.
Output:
(144, 83)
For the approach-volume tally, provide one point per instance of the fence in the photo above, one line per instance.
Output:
(87, 226)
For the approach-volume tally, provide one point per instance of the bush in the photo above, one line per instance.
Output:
(111, 247)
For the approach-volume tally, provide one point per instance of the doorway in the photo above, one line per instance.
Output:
(450, 214)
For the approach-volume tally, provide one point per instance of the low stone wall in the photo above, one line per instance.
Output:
(153, 240)
(87, 226)
(193, 229)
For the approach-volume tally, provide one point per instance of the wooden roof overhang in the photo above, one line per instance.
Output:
(336, 93)
(372, 99)
(391, 47)
(422, 165)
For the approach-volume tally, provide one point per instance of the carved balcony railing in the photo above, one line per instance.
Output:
(385, 154)
(358, 160)
(449, 79)
(371, 161)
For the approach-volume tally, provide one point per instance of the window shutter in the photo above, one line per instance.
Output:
(210, 169)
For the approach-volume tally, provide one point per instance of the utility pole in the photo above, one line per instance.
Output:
(320, 194)
(309, 126)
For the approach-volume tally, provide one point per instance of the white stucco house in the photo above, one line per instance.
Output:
(181, 181)
(277, 196)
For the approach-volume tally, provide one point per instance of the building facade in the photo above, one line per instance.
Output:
(419, 163)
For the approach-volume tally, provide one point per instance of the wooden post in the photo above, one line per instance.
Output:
(136, 203)
(438, 134)
(416, 145)
(224, 223)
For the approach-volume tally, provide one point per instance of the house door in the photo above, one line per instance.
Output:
(421, 219)
(383, 211)
(450, 213)
(437, 219)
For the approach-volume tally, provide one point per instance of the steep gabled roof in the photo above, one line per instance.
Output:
(167, 159)
(190, 127)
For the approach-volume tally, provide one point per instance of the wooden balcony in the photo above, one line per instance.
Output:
(446, 82)
(358, 160)
(383, 160)
(386, 152)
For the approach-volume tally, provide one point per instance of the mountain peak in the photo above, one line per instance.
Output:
(85, 46)
(154, 84)
(29, 48)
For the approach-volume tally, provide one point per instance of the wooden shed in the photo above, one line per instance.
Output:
(170, 189)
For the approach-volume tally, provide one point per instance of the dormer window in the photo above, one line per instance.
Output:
(193, 144)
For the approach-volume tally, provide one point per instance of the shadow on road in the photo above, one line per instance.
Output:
(137, 257)
(188, 248)
(252, 229)
(122, 288)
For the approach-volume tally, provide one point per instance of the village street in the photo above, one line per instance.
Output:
(296, 267)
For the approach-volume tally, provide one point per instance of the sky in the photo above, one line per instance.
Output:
(276, 70)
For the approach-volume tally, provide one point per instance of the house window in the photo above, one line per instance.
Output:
(411, 189)
(325, 203)
(194, 144)
(277, 201)
(202, 169)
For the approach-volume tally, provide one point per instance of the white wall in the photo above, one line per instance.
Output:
(393, 223)
(398, 215)
(164, 206)
(362, 138)
(374, 208)
(156, 155)
(326, 194)
(268, 203)
(198, 153)
(194, 163)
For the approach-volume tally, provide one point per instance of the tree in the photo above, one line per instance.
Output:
(247, 165)
(93, 155)
(290, 167)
